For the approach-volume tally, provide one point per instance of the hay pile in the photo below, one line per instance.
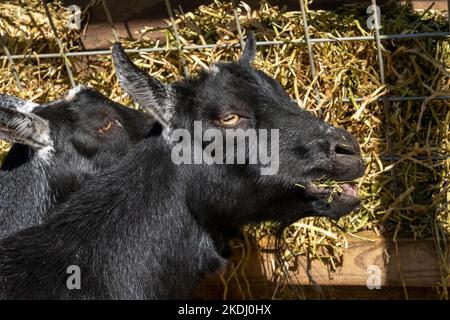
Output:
(408, 194)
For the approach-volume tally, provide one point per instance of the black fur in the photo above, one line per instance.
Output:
(30, 185)
(149, 229)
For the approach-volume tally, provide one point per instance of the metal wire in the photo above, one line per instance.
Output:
(312, 65)
(211, 46)
(378, 41)
(448, 14)
(11, 63)
(60, 44)
(177, 37)
(387, 158)
(238, 24)
(399, 99)
(386, 102)
(386, 37)
(110, 20)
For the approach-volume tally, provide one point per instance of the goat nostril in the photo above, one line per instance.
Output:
(345, 149)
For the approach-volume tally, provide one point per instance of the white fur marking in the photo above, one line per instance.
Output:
(28, 107)
(45, 154)
(47, 138)
(214, 69)
(73, 92)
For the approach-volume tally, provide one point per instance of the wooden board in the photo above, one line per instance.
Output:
(415, 265)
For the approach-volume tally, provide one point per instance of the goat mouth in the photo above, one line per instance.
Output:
(332, 189)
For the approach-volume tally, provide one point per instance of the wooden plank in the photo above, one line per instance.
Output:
(415, 261)
(425, 4)
(99, 36)
(415, 265)
(361, 255)
(211, 291)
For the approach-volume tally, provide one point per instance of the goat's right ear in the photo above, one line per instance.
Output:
(147, 91)
(24, 128)
(15, 103)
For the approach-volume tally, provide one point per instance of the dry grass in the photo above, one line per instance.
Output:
(410, 193)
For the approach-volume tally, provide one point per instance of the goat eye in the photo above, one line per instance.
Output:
(230, 119)
(106, 127)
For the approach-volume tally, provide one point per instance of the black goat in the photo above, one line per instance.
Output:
(149, 228)
(57, 147)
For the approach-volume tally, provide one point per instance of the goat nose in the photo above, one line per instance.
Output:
(345, 145)
(346, 149)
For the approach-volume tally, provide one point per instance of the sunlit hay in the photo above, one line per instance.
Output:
(24, 29)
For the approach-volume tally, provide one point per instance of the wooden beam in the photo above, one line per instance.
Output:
(413, 263)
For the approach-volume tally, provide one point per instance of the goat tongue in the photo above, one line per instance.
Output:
(349, 189)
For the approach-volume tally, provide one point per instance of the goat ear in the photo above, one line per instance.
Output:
(150, 93)
(15, 103)
(24, 128)
(249, 53)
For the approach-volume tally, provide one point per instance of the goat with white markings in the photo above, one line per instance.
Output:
(57, 146)
(155, 234)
